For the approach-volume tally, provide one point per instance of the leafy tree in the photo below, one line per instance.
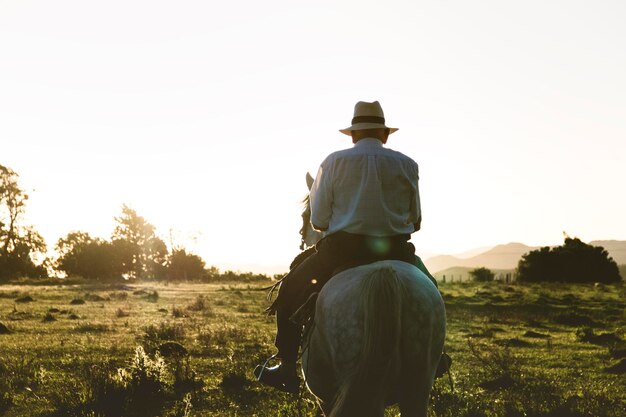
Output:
(90, 258)
(482, 274)
(185, 266)
(574, 261)
(20, 245)
(145, 254)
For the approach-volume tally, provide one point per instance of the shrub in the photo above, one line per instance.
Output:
(574, 261)
(118, 295)
(482, 275)
(200, 304)
(140, 389)
(18, 372)
(152, 297)
(498, 362)
(90, 258)
(146, 378)
(179, 362)
(153, 335)
(48, 317)
(178, 312)
(185, 266)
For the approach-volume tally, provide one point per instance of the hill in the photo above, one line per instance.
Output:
(616, 248)
(499, 257)
(507, 256)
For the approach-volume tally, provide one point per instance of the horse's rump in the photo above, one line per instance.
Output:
(377, 327)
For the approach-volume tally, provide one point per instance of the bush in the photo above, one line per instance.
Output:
(140, 389)
(90, 258)
(482, 275)
(200, 304)
(154, 336)
(185, 266)
(574, 261)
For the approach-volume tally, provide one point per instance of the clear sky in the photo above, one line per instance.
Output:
(204, 116)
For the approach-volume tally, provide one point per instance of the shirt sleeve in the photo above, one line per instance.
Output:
(416, 207)
(321, 196)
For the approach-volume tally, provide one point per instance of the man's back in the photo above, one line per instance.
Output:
(367, 189)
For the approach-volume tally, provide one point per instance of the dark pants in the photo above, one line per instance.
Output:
(339, 250)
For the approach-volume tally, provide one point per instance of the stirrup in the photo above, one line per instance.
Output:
(275, 378)
(264, 366)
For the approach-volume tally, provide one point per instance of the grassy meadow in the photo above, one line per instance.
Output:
(156, 349)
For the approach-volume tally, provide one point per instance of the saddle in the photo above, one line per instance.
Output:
(299, 316)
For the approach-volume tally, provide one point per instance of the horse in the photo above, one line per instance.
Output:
(376, 339)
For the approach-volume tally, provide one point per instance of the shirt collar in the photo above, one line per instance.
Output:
(369, 142)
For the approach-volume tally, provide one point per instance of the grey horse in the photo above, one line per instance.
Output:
(377, 338)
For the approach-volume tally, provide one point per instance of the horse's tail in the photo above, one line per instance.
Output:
(363, 393)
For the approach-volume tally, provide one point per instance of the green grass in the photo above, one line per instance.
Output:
(518, 350)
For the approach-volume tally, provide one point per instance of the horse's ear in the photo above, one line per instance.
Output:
(309, 180)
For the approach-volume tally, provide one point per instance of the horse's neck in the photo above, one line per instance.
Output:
(310, 236)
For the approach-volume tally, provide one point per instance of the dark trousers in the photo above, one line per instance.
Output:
(337, 251)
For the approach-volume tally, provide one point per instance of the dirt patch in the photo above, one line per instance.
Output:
(94, 297)
(514, 342)
(536, 324)
(574, 319)
(536, 335)
(502, 382)
(19, 315)
(618, 353)
(4, 329)
(619, 368)
(233, 381)
(602, 339)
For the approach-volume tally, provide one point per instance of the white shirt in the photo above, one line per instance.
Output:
(367, 189)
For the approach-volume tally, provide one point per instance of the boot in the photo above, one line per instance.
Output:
(282, 377)
(444, 365)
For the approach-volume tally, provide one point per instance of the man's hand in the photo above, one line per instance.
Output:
(418, 225)
(321, 229)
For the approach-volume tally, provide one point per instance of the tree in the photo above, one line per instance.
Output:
(574, 261)
(482, 274)
(91, 258)
(185, 266)
(20, 245)
(145, 253)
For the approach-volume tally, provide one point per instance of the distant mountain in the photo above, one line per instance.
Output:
(499, 257)
(472, 252)
(616, 248)
(507, 256)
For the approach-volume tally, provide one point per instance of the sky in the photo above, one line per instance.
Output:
(204, 116)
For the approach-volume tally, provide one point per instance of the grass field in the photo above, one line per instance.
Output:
(89, 350)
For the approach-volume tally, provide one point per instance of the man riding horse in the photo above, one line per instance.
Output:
(366, 200)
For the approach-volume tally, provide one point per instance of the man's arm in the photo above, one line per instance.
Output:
(321, 198)
(415, 215)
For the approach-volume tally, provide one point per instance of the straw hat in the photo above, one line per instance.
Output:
(367, 116)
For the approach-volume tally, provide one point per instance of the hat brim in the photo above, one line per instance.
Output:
(364, 126)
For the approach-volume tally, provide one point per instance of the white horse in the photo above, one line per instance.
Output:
(376, 340)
